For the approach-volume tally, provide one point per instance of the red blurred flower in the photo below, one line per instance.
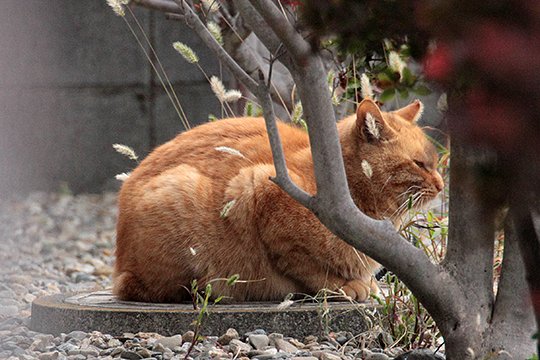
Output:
(439, 64)
(292, 3)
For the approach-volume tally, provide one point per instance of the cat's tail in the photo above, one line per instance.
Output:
(128, 287)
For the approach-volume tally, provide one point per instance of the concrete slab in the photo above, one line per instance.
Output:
(102, 312)
(50, 136)
(198, 101)
(68, 43)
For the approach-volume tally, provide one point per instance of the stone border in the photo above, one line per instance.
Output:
(99, 311)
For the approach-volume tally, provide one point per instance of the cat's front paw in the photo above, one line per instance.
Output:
(357, 290)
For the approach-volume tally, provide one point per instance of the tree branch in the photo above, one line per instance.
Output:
(333, 204)
(282, 175)
(254, 20)
(310, 77)
(193, 21)
(530, 252)
(291, 38)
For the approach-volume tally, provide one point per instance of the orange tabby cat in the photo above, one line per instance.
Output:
(202, 207)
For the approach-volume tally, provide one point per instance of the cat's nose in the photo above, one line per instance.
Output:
(438, 181)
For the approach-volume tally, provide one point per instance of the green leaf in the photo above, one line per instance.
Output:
(212, 118)
(200, 298)
(303, 124)
(249, 109)
(233, 279)
(422, 90)
(408, 78)
(405, 51)
(430, 219)
(404, 93)
(383, 77)
(387, 95)
(218, 299)
(354, 84)
(409, 203)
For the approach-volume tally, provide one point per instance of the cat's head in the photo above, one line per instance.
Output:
(393, 163)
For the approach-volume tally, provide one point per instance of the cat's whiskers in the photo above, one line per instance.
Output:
(406, 195)
(410, 201)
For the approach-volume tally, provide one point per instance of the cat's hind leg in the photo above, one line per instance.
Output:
(313, 276)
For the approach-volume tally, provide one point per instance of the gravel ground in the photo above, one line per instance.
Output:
(52, 243)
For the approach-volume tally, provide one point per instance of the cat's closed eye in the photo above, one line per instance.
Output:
(420, 164)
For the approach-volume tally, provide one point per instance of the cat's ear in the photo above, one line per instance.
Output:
(370, 121)
(411, 112)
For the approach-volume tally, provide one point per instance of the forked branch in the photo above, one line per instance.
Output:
(282, 175)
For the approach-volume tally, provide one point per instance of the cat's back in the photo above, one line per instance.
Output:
(218, 149)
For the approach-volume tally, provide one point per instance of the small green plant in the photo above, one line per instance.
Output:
(409, 324)
(202, 300)
(252, 109)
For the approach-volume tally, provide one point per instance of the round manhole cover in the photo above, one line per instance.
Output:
(101, 311)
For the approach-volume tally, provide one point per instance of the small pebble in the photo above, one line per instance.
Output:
(420, 354)
(229, 335)
(239, 348)
(285, 346)
(49, 355)
(329, 356)
(188, 336)
(170, 342)
(259, 341)
(130, 355)
(378, 356)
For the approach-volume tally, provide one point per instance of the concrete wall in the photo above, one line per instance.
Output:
(73, 81)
